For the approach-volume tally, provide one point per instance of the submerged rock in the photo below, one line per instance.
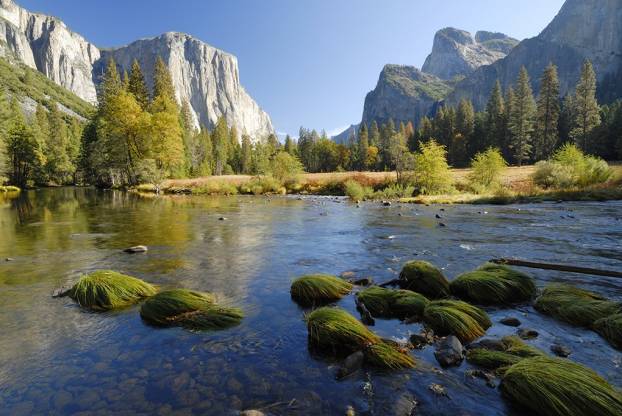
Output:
(136, 249)
(510, 321)
(421, 340)
(449, 352)
(526, 333)
(561, 350)
(351, 364)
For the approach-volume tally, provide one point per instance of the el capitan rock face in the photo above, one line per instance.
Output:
(457, 53)
(206, 77)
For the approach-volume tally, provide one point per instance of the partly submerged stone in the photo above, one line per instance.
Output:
(452, 317)
(319, 289)
(501, 354)
(336, 332)
(189, 309)
(423, 277)
(494, 284)
(449, 352)
(106, 289)
(136, 249)
(389, 303)
(558, 387)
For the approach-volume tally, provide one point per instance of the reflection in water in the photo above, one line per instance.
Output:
(56, 358)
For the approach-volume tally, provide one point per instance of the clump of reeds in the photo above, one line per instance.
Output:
(319, 289)
(423, 277)
(610, 328)
(452, 317)
(514, 350)
(575, 306)
(389, 303)
(494, 284)
(558, 387)
(106, 289)
(189, 309)
(335, 331)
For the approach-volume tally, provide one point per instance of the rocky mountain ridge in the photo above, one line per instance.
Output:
(206, 77)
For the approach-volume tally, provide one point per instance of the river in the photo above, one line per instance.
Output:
(58, 359)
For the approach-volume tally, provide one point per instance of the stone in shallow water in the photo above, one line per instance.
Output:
(136, 249)
(561, 350)
(449, 352)
(510, 321)
(526, 333)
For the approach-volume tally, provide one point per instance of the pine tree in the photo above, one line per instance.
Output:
(111, 84)
(290, 146)
(41, 130)
(234, 150)
(507, 133)
(495, 120)
(203, 153)
(162, 81)
(547, 134)
(362, 148)
(137, 85)
(426, 129)
(220, 142)
(189, 134)
(521, 122)
(374, 134)
(586, 109)
(23, 151)
(246, 154)
(58, 166)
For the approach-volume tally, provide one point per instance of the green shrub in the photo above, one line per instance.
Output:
(450, 317)
(285, 166)
(335, 331)
(494, 284)
(189, 309)
(355, 191)
(432, 175)
(319, 289)
(423, 277)
(558, 387)
(261, 185)
(216, 188)
(395, 191)
(486, 170)
(105, 289)
(570, 167)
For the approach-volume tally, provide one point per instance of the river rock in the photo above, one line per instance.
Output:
(422, 339)
(405, 405)
(526, 333)
(351, 364)
(487, 377)
(487, 344)
(561, 350)
(449, 352)
(136, 249)
(510, 321)
(252, 412)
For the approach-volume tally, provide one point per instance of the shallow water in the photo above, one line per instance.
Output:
(56, 358)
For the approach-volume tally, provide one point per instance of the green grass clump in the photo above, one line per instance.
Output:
(558, 387)
(336, 331)
(423, 277)
(610, 328)
(451, 317)
(105, 289)
(514, 351)
(388, 303)
(575, 306)
(189, 309)
(319, 289)
(494, 284)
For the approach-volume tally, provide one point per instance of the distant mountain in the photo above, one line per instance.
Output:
(344, 136)
(467, 67)
(206, 77)
(456, 53)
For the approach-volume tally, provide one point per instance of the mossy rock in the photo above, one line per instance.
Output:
(610, 328)
(575, 306)
(452, 317)
(319, 289)
(423, 277)
(190, 310)
(494, 284)
(389, 303)
(514, 350)
(335, 331)
(558, 387)
(105, 289)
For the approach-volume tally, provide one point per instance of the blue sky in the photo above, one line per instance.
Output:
(305, 62)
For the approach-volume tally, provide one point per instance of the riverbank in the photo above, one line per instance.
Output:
(517, 187)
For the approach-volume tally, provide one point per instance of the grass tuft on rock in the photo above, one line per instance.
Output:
(558, 387)
(610, 328)
(575, 306)
(335, 331)
(514, 351)
(105, 289)
(319, 289)
(190, 310)
(389, 303)
(452, 317)
(494, 284)
(423, 277)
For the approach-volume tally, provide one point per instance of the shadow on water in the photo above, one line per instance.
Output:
(59, 359)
